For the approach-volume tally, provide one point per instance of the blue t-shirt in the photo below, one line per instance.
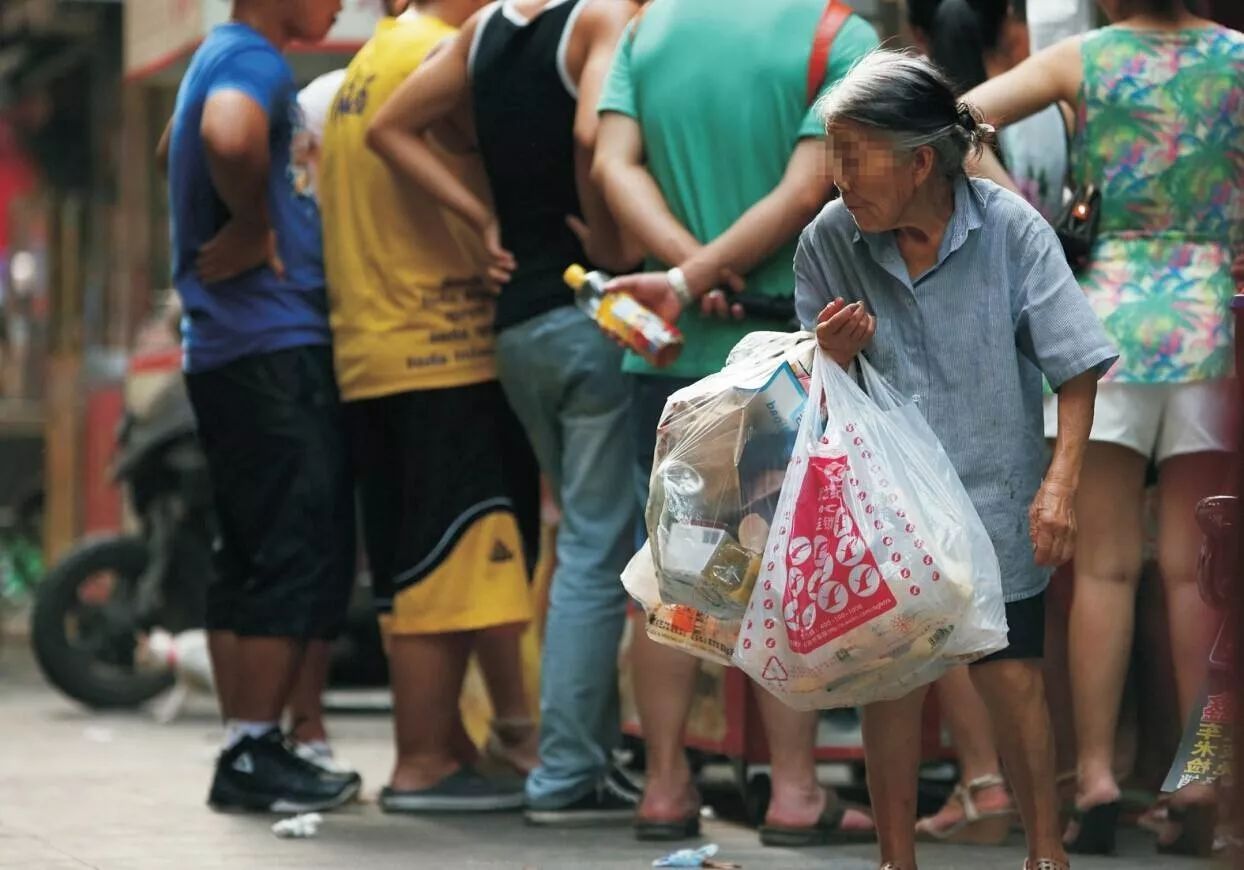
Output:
(256, 312)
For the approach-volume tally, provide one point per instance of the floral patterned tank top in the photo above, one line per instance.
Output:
(1161, 133)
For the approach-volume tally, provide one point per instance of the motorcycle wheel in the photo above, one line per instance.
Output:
(84, 630)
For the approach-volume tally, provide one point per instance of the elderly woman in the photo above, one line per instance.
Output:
(957, 291)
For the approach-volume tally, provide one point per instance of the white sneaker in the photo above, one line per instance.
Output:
(322, 758)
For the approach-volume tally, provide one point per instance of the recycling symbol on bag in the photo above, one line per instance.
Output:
(774, 671)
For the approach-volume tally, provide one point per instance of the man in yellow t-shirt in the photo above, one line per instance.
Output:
(439, 459)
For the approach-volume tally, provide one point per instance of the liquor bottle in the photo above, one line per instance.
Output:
(623, 317)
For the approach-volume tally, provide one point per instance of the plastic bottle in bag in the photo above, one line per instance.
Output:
(621, 315)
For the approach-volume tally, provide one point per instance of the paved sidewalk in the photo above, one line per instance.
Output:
(121, 792)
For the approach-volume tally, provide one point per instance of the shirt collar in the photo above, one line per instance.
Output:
(969, 214)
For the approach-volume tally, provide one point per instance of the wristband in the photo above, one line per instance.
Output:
(678, 281)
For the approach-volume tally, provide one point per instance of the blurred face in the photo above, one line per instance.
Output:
(877, 182)
(310, 20)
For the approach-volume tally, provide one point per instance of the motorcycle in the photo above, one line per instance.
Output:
(95, 608)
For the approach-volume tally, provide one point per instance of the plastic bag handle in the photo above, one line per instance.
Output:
(828, 375)
(832, 387)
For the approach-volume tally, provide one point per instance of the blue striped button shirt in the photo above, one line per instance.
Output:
(969, 340)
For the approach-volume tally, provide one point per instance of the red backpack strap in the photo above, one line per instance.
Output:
(835, 15)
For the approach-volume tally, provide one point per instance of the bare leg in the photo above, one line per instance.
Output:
(1058, 599)
(967, 718)
(892, 751)
(1107, 569)
(266, 670)
(500, 659)
(306, 706)
(664, 689)
(426, 672)
(1014, 692)
(798, 800)
(222, 646)
(1182, 482)
(971, 734)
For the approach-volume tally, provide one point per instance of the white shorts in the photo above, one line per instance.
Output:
(1159, 420)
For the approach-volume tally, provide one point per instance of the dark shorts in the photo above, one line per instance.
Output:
(1025, 635)
(272, 430)
(430, 464)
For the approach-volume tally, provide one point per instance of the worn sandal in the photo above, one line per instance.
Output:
(1197, 825)
(827, 831)
(1097, 829)
(652, 831)
(1046, 864)
(989, 828)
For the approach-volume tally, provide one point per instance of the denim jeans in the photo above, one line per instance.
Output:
(565, 382)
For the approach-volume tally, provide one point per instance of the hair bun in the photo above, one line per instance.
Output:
(967, 120)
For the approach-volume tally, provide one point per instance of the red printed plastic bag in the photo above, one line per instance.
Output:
(877, 574)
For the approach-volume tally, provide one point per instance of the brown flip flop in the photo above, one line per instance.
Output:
(827, 831)
(650, 830)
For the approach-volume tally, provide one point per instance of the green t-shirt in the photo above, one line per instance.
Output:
(719, 89)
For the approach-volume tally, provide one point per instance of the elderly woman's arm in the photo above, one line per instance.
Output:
(1057, 330)
(1052, 521)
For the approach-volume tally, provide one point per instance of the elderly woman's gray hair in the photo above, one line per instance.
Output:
(912, 102)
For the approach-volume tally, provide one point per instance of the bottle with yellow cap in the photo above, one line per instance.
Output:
(623, 317)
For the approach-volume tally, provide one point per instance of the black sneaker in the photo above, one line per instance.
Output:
(463, 791)
(623, 784)
(263, 774)
(606, 804)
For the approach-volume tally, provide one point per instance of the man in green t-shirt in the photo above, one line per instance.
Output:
(709, 153)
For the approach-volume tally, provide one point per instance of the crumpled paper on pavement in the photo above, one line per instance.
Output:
(702, 857)
(300, 827)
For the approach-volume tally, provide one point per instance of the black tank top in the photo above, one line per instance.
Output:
(524, 115)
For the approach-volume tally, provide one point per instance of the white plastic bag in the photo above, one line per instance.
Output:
(878, 575)
(722, 447)
(677, 625)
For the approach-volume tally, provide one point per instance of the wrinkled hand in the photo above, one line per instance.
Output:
(1052, 524)
(652, 290)
(237, 248)
(843, 330)
(501, 263)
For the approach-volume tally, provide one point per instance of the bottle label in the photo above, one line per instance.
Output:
(640, 328)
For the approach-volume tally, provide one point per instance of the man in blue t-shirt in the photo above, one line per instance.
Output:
(259, 369)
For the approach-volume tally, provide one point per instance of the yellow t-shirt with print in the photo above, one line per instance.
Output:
(409, 303)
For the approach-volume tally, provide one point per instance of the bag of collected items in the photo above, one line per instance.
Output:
(722, 447)
(878, 575)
